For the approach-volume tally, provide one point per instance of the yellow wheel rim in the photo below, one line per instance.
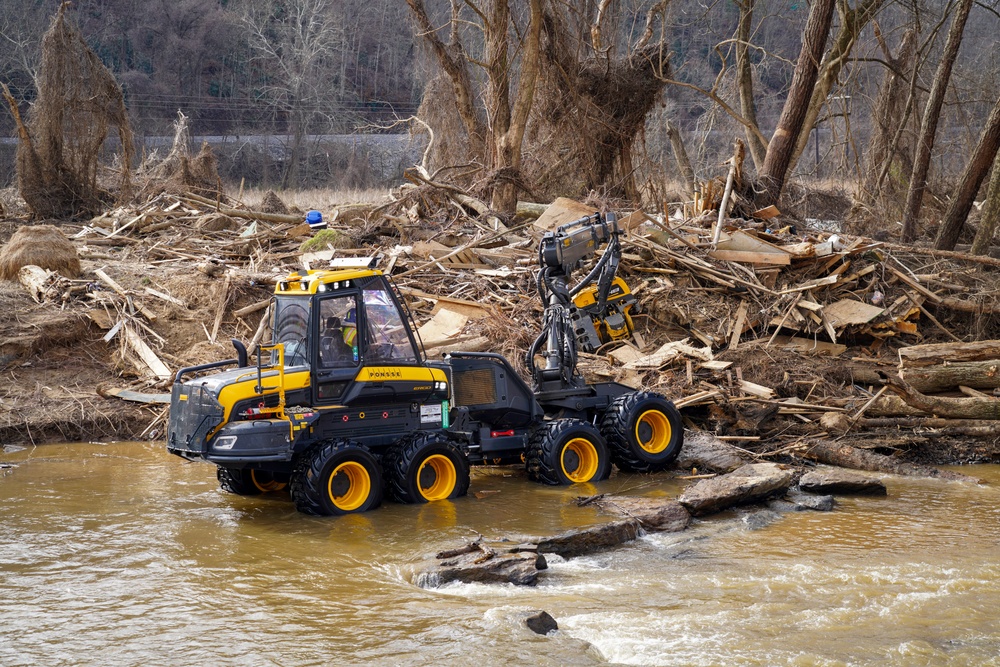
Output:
(349, 486)
(579, 460)
(436, 477)
(265, 481)
(653, 431)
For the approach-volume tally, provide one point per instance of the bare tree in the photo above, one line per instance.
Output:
(991, 213)
(295, 43)
(972, 178)
(929, 123)
(781, 149)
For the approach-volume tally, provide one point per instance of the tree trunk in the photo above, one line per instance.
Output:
(946, 406)
(888, 110)
(510, 121)
(779, 151)
(451, 58)
(928, 125)
(680, 156)
(933, 354)
(745, 77)
(934, 379)
(851, 23)
(991, 213)
(973, 177)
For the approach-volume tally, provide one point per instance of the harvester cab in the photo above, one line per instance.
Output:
(343, 406)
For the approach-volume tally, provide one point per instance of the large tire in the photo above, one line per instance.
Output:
(643, 430)
(424, 467)
(337, 477)
(249, 482)
(567, 451)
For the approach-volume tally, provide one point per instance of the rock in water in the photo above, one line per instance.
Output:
(837, 480)
(484, 567)
(590, 540)
(747, 484)
(541, 623)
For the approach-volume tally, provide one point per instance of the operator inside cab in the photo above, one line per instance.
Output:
(338, 340)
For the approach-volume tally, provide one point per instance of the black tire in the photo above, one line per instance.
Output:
(567, 451)
(337, 477)
(249, 482)
(643, 430)
(424, 467)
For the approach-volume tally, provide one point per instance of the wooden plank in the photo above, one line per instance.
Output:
(741, 318)
(848, 311)
(146, 354)
(106, 279)
(221, 308)
(811, 284)
(166, 297)
(135, 396)
(748, 257)
(913, 284)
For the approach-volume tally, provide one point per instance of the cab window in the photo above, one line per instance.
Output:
(291, 329)
(387, 337)
(338, 336)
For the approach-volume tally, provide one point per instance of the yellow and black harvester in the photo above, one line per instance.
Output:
(344, 407)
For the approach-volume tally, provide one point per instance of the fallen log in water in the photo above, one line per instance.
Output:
(846, 456)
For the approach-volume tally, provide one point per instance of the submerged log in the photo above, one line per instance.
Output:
(846, 456)
(591, 540)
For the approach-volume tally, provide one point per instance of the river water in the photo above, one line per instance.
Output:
(119, 554)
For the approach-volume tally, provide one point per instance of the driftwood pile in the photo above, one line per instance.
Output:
(766, 333)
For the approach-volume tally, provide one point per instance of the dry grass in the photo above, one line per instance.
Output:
(321, 199)
(41, 245)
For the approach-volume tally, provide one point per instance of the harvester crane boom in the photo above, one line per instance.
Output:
(560, 253)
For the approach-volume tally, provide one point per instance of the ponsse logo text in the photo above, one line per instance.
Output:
(384, 374)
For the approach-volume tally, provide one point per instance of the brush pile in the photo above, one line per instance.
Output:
(775, 337)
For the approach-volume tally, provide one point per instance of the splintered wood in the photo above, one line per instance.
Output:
(757, 335)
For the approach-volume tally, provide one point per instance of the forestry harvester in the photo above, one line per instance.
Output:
(344, 407)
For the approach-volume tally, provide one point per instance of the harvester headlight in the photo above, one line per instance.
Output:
(225, 442)
(321, 287)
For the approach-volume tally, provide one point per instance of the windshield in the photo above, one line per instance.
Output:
(291, 328)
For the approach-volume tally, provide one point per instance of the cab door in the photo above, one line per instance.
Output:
(337, 353)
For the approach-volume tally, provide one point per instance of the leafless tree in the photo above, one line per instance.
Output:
(929, 122)
(972, 178)
(295, 44)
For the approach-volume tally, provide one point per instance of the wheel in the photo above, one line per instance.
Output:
(249, 482)
(567, 451)
(337, 477)
(425, 467)
(644, 431)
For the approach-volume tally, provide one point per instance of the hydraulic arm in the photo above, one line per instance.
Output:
(585, 315)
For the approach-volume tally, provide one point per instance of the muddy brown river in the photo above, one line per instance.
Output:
(119, 554)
